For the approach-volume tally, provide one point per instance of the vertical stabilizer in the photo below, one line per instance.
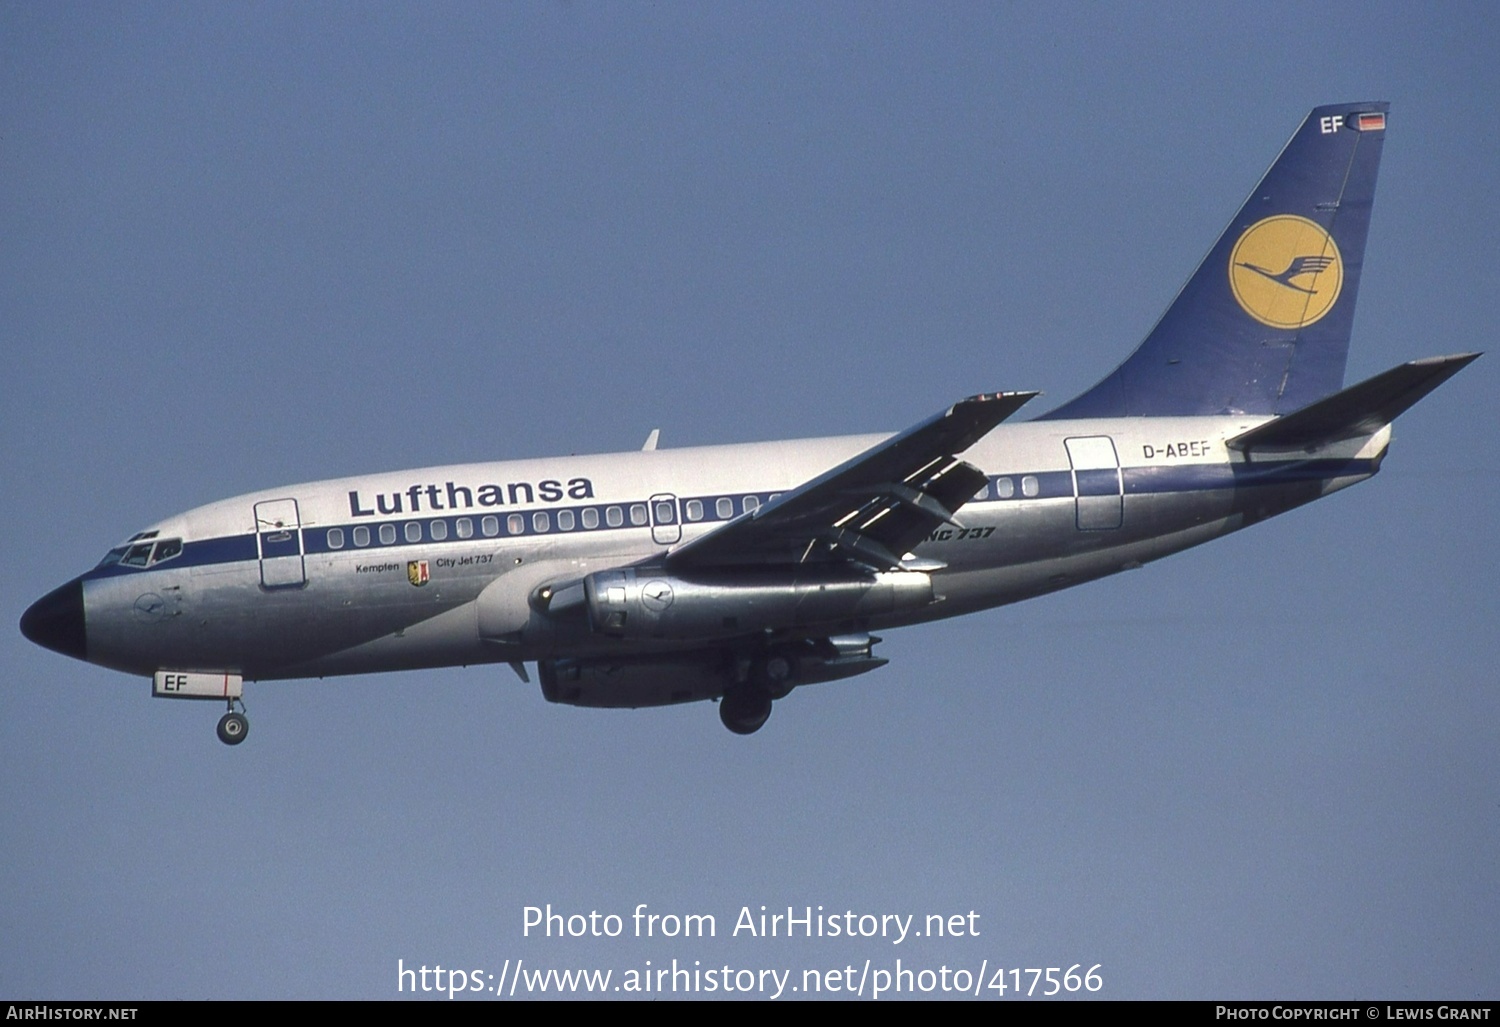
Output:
(1263, 325)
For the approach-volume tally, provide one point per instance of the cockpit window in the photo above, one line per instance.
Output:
(138, 555)
(113, 556)
(141, 536)
(141, 553)
(166, 549)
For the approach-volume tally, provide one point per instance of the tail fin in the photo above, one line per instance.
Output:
(1263, 325)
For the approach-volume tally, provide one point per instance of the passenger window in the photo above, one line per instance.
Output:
(1029, 486)
(138, 556)
(565, 520)
(1005, 488)
(638, 514)
(438, 530)
(540, 521)
(490, 526)
(166, 549)
(413, 531)
(724, 507)
(361, 536)
(463, 528)
(515, 524)
(591, 518)
(387, 534)
(613, 517)
(751, 503)
(666, 512)
(335, 538)
(695, 509)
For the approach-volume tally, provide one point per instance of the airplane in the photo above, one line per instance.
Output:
(738, 573)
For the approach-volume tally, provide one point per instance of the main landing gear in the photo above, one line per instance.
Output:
(746, 706)
(234, 725)
(744, 709)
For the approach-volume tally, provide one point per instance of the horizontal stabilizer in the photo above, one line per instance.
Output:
(1357, 411)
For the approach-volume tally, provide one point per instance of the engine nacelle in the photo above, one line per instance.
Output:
(639, 603)
(634, 681)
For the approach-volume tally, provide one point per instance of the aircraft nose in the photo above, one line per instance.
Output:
(56, 621)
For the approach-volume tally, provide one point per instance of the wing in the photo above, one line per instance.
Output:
(869, 510)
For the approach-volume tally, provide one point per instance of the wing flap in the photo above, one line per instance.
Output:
(870, 509)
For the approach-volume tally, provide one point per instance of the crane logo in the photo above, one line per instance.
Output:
(1286, 271)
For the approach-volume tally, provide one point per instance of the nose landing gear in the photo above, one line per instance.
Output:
(234, 725)
(219, 686)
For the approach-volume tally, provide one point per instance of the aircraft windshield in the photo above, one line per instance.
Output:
(113, 556)
(143, 554)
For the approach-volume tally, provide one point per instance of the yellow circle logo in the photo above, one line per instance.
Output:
(1286, 271)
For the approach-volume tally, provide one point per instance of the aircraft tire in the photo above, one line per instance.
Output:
(777, 675)
(744, 711)
(233, 727)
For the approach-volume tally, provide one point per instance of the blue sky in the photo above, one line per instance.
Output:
(253, 245)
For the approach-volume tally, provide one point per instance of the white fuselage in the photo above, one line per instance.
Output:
(441, 566)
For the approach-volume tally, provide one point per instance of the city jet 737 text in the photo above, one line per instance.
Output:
(738, 573)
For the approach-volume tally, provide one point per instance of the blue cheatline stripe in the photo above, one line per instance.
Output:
(242, 548)
(1022, 487)
(1170, 478)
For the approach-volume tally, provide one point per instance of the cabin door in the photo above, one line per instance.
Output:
(1098, 487)
(278, 541)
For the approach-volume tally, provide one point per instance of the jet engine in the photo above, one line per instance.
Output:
(661, 680)
(646, 604)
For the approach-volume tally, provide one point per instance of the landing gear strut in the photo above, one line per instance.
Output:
(234, 725)
(746, 706)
